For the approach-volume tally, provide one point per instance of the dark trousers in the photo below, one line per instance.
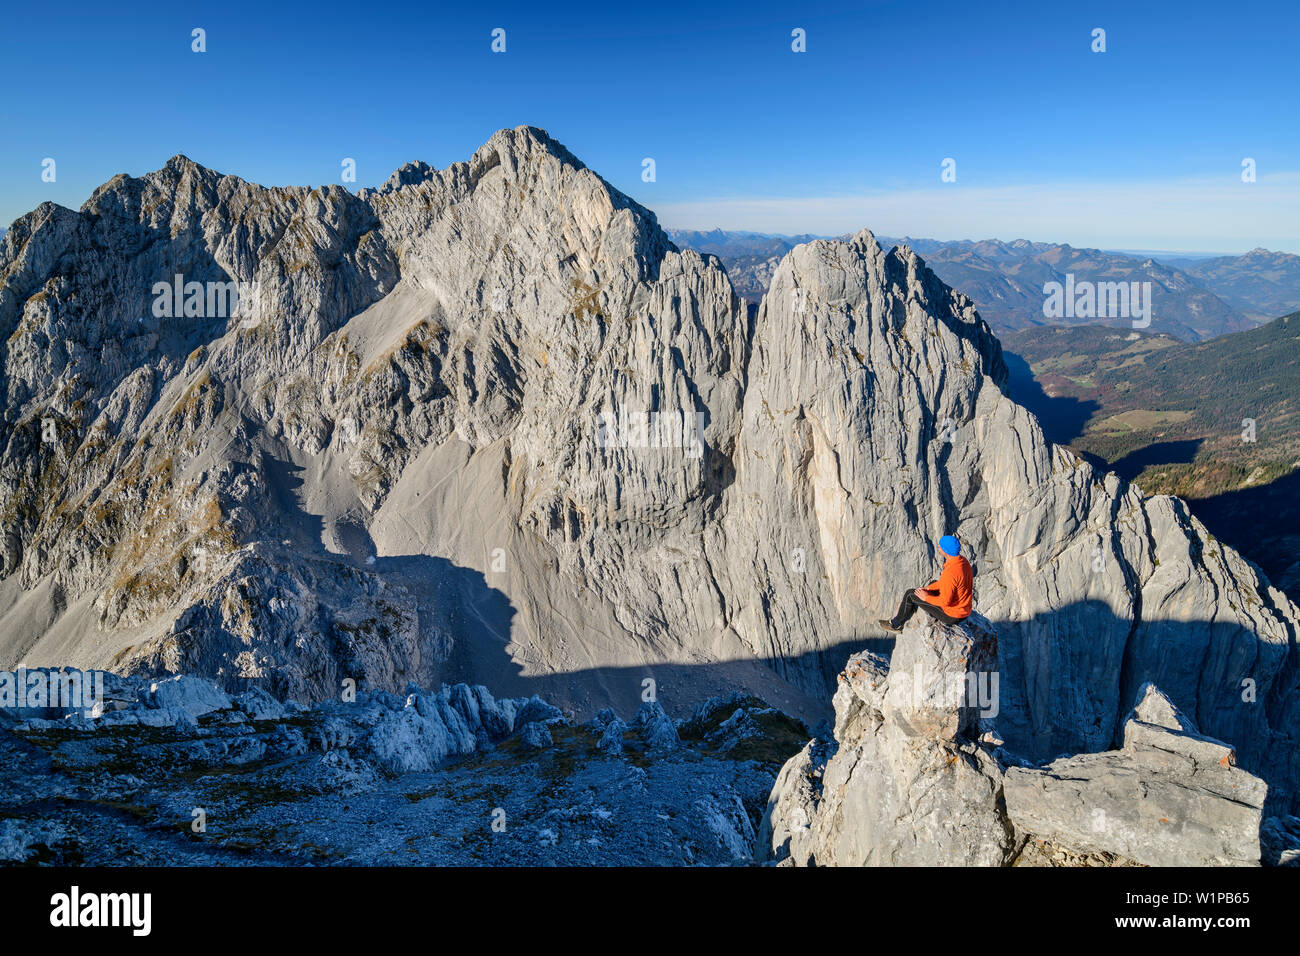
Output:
(907, 607)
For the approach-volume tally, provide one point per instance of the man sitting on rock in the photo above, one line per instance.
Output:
(948, 600)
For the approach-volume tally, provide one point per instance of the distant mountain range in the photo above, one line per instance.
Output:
(725, 244)
(1007, 279)
(1191, 299)
(750, 257)
(1260, 283)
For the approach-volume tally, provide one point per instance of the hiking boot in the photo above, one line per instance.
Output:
(889, 626)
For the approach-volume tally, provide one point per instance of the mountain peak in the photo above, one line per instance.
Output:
(408, 174)
(514, 146)
(527, 142)
(181, 164)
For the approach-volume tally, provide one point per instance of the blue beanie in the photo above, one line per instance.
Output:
(950, 545)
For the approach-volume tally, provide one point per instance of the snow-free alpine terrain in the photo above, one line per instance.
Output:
(428, 456)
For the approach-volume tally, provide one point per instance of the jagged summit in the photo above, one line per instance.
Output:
(409, 174)
(530, 139)
(426, 454)
(182, 162)
(521, 144)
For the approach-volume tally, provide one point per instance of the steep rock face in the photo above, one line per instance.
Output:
(425, 456)
(875, 421)
(224, 512)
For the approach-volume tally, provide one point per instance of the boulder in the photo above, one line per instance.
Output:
(656, 728)
(1169, 797)
(194, 695)
(259, 705)
(914, 775)
(536, 709)
(610, 728)
(426, 731)
(536, 735)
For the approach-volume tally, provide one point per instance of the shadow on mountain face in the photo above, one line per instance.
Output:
(1062, 419)
(465, 621)
(283, 482)
(1060, 692)
(1263, 523)
(1068, 677)
(1181, 452)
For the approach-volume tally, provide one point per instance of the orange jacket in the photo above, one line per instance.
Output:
(952, 592)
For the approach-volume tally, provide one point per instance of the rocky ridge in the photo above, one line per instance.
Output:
(915, 775)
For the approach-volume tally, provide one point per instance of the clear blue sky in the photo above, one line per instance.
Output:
(1137, 147)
